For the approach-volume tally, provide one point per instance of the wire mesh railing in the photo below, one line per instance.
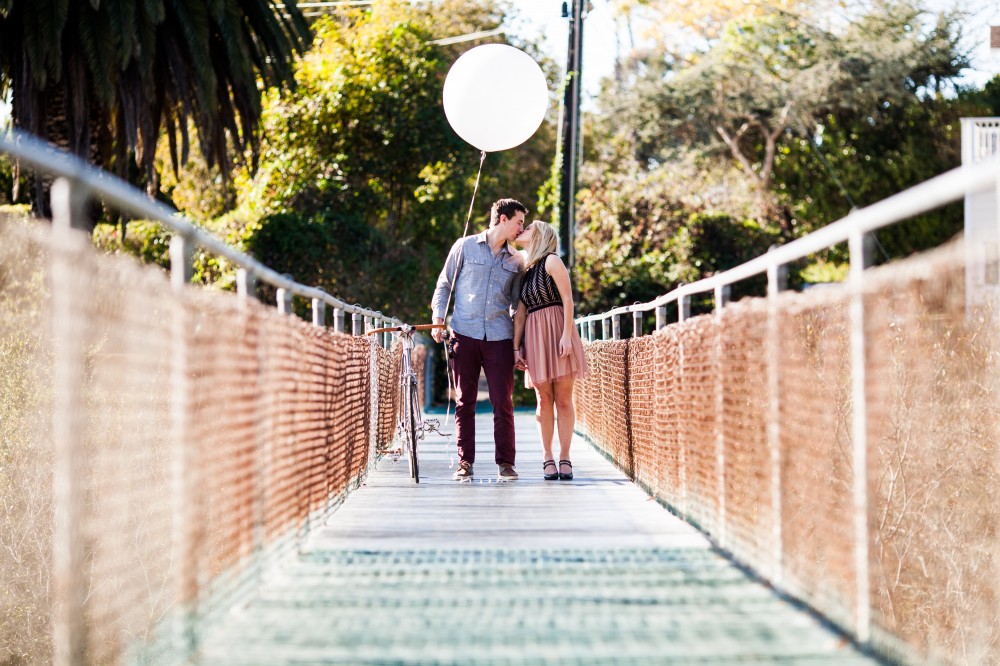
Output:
(161, 444)
(842, 441)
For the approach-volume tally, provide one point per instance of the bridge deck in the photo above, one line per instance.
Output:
(578, 572)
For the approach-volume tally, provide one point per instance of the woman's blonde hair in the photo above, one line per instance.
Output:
(544, 240)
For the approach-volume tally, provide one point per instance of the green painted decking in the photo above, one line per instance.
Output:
(589, 571)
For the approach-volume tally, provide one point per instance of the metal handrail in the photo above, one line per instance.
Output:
(926, 196)
(50, 160)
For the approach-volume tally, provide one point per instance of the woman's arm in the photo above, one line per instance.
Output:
(520, 316)
(555, 267)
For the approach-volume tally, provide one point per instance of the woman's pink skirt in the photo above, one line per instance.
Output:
(542, 332)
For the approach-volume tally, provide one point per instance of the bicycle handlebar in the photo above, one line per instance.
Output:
(398, 329)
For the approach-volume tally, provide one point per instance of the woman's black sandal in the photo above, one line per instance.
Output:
(554, 475)
(566, 477)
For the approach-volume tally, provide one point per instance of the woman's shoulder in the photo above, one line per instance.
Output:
(552, 262)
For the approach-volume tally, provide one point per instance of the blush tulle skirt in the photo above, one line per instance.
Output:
(542, 332)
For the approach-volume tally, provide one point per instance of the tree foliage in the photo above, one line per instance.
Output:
(105, 78)
(817, 114)
(362, 161)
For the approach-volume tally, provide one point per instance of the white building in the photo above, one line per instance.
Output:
(981, 142)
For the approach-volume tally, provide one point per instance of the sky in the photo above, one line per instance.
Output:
(542, 20)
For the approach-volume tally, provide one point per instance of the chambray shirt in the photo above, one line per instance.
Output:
(486, 290)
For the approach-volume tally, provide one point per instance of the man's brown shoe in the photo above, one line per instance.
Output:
(507, 473)
(464, 471)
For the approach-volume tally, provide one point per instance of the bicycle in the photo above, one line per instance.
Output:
(410, 424)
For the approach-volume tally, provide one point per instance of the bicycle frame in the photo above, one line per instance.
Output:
(411, 416)
(410, 424)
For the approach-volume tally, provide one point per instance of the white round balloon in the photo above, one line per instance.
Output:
(495, 97)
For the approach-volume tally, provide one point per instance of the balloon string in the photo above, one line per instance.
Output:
(447, 359)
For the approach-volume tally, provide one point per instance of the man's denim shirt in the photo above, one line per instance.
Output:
(486, 291)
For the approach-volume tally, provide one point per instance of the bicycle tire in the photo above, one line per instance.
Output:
(412, 405)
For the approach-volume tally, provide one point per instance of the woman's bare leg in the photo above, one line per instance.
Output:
(545, 416)
(566, 414)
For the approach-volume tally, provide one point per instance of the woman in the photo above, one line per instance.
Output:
(552, 351)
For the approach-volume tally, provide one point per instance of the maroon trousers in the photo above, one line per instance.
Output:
(497, 360)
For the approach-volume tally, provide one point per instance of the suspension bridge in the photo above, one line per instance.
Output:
(198, 477)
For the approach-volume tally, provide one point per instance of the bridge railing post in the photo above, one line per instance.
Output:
(637, 324)
(319, 312)
(721, 298)
(606, 326)
(357, 324)
(776, 280)
(661, 316)
(69, 587)
(284, 301)
(246, 285)
(338, 320)
(616, 327)
(186, 479)
(592, 328)
(860, 248)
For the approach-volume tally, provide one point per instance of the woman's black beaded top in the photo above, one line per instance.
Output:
(538, 289)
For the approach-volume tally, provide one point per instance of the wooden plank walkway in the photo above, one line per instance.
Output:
(589, 571)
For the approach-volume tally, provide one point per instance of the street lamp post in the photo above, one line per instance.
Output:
(574, 10)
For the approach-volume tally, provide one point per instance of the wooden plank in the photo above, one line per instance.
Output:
(600, 506)
(524, 572)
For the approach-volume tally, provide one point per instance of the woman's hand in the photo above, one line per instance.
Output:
(565, 345)
(519, 363)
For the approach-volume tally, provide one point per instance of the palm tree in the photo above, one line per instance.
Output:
(104, 79)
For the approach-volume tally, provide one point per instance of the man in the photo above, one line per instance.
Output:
(484, 273)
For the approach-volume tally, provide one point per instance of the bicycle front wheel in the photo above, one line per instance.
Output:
(412, 428)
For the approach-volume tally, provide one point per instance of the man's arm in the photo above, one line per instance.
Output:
(444, 287)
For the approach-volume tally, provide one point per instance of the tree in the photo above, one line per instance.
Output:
(703, 20)
(777, 74)
(363, 149)
(641, 235)
(103, 78)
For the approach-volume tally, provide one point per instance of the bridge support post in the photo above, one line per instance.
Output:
(186, 479)
(860, 247)
(775, 284)
(721, 298)
(284, 299)
(319, 312)
(69, 589)
(246, 285)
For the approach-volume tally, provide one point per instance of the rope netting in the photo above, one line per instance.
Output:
(741, 421)
(212, 435)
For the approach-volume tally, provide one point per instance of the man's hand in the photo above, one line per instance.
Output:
(519, 362)
(438, 333)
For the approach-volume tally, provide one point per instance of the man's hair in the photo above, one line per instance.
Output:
(506, 207)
